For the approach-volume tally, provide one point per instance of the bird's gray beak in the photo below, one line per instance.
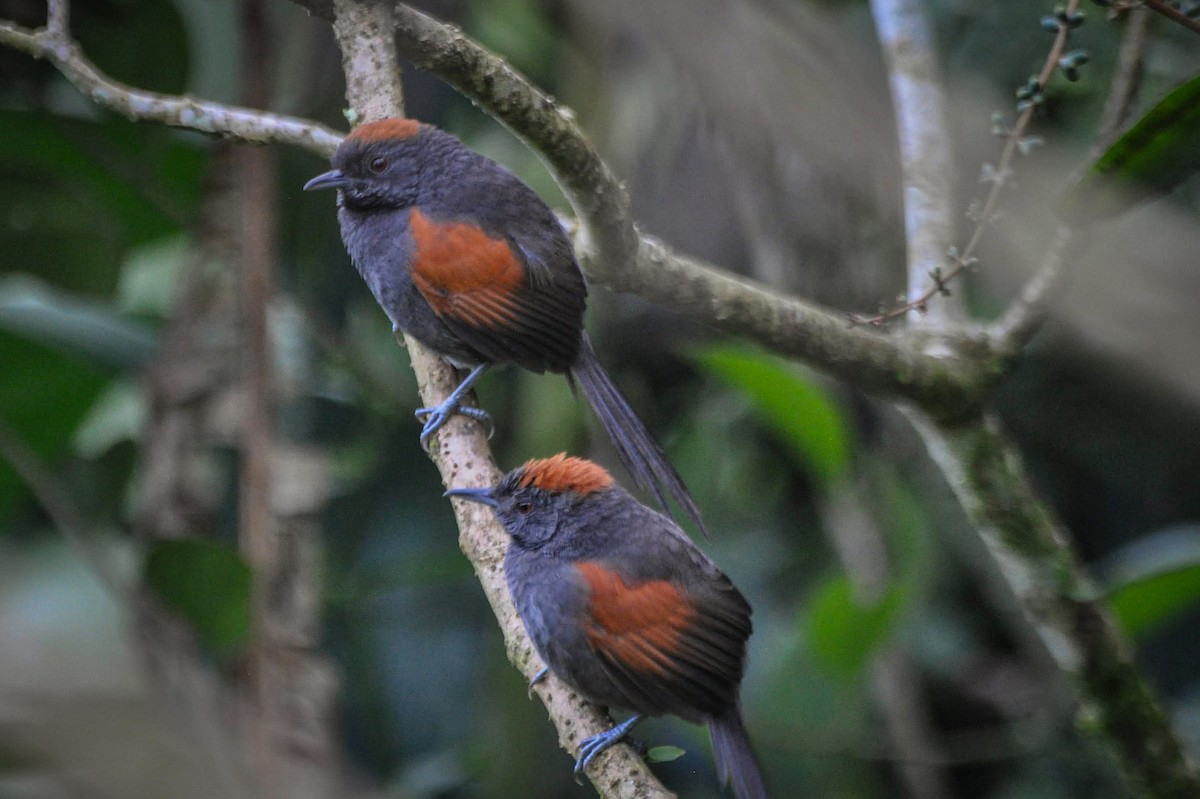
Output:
(333, 179)
(482, 495)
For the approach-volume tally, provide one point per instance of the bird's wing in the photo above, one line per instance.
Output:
(665, 647)
(483, 291)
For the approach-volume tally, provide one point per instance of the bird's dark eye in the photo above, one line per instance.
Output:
(524, 507)
(378, 164)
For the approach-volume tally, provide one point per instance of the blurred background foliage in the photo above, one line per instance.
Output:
(887, 659)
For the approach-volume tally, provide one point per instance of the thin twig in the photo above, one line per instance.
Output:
(1126, 80)
(59, 506)
(998, 178)
(1173, 14)
(218, 119)
(1025, 316)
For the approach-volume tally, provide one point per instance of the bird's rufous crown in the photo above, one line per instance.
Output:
(562, 473)
(384, 129)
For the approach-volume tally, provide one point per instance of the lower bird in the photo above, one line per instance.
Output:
(623, 607)
(464, 256)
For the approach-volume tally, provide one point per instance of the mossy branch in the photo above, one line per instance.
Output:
(1034, 556)
(1032, 551)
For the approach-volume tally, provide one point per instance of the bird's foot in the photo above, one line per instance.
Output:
(591, 747)
(435, 418)
(537, 678)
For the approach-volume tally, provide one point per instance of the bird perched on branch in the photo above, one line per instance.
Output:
(622, 607)
(464, 256)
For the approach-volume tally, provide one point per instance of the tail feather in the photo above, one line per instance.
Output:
(735, 759)
(640, 453)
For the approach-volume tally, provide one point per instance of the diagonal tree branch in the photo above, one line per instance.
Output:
(1024, 317)
(616, 254)
(63, 513)
(1173, 14)
(463, 457)
(1034, 556)
(1032, 551)
(612, 250)
(244, 124)
(1126, 81)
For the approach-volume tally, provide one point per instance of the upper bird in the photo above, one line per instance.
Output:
(464, 256)
(621, 606)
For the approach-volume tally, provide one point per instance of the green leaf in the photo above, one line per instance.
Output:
(89, 331)
(664, 754)
(76, 194)
(151, 275)
(1148, 604)
(843, 633)
(791, 402)
(206, 583)
(118, 414)
(1158, 153)
(44, 396)
(1155, 579)
(50, 350)
(907, 526)
(841, 629)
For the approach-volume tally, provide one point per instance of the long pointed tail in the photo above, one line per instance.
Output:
(735, 759)
(640, 453)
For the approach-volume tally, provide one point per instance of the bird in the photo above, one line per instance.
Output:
(623, 607)
(467, 258)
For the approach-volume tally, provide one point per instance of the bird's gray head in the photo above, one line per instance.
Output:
(532, 501)
(377, 165)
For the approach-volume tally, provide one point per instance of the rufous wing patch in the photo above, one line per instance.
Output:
(385, 129)
(562, 473)
(638, 626)
(463, 272)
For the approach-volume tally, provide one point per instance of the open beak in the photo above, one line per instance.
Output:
(482, 495)
(333, 179)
